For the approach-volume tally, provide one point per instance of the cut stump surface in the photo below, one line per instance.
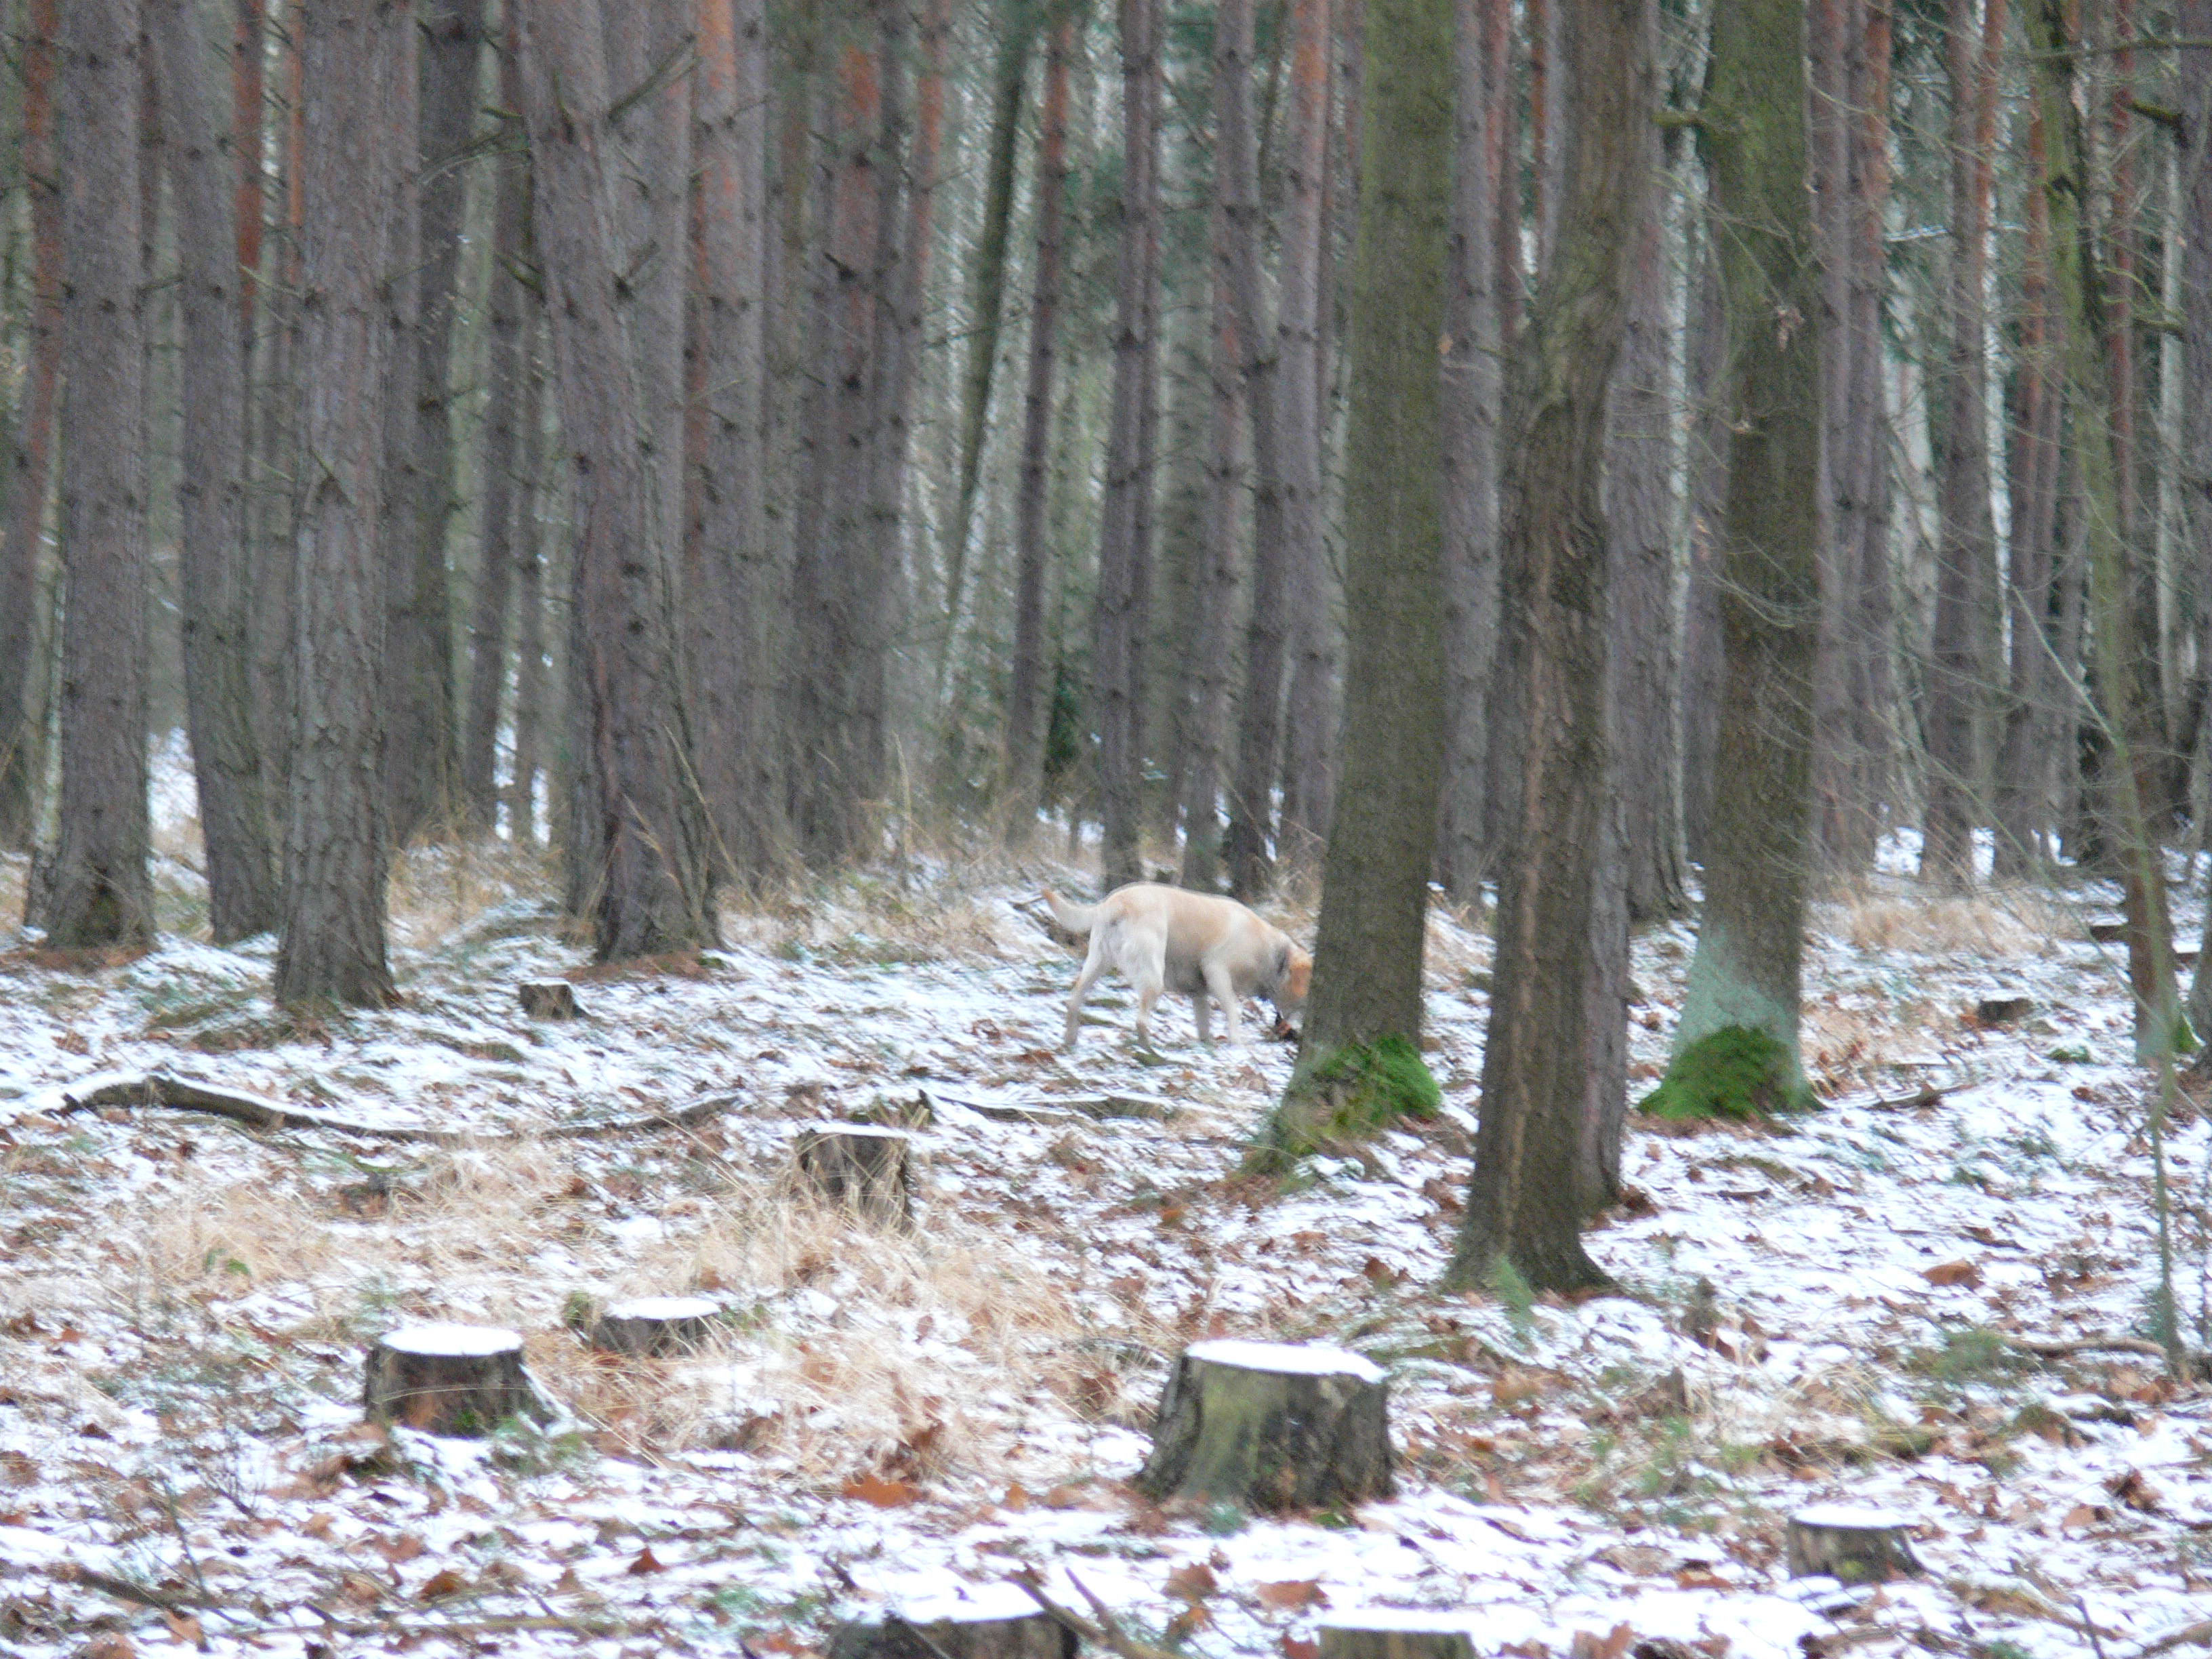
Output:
(448, 1379)
(1857, 1545)
(860, 1165)
(1271, 1425)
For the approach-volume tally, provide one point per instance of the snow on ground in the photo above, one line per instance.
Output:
(888, 1417)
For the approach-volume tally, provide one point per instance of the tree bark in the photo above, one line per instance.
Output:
(1705, 362)
(1525, 1205)
(1746, 973)
(644, 870)
(506, 306)
(31, 451)
(529, 593)
(355, 60)
(731, 571)
(217, 651)
(1959, 680)
(1367, 964)
(1125, 554)
(1473, 388)
(2193, 20)
(1025, 709)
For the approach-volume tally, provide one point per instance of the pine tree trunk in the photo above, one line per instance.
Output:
(1125, 554)
(1746, 973)
(1959, 678)
(645, 874)
(1830, 52)
(1367, 973)
(1473, 388)
(507, 307)
(31, 452)
(529, 593)
(1705, 363)
(218, 652)
(1025, 709)
(2193, 20)
(356, 59)
(1309, 703)
(1540, 1106)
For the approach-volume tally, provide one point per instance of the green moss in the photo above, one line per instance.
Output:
(1736, 1071)
(1347, 1094)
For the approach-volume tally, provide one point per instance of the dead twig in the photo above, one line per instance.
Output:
(2065, 1350)
(1106, 1633)
(2200, 1633)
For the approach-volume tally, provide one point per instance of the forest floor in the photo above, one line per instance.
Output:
(886, 1415)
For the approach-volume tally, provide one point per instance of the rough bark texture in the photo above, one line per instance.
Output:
(1704, 361)
(234, 816)
(1238, 1429)
(355, 56)
(1367, 964)
(31, 444)
(100, 891)
(1026, 710)
(641, 866)
(2193, 20)
(529, 597)
(1746, 972)
(414, 1377)
(859, 1166)
(1473, 388)
(1958, 679)
(730, 572)
(1538, 1091)
(1125, 551)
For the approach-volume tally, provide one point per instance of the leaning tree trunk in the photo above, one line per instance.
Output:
(1367, 965)
(1125, 553)
(355, 60)
(1524, 1206)
(101, 891)
(1025, 709)
(218, 656)
(1746, 973)
(644, 872)
(1472, 391)
(1966, 553)
(31, 451)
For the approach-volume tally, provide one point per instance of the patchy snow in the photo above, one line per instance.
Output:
(1828, 1311)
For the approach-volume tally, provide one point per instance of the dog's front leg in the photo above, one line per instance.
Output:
(1218, 981)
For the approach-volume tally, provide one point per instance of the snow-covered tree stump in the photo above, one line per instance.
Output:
(1395, 1633)
(2004, 1008)
(995, 1621)
(448, 1379)
(547, 999)
(860, 1165)
(1857, 1545)
(656, 1325)
(1271, 1425)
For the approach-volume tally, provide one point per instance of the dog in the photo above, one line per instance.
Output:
(1165, 938)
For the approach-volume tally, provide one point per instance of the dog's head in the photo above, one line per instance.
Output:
(1292, 982)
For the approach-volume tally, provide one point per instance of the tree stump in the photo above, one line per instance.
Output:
(1396, 1633)
(860, 1165)
(1271, 1425)
(992, 1621)
(448, 1379)
(2004, 1009)
(656, 1325)
(1844, 1541)
(548, 999)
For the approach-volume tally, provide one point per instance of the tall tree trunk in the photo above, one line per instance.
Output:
(1746, 973)
(1367, 965)
(1832, 55)
(101, 892)
(1473, 388)
(356, 60)
(1958, 679)
(506, 306)
(2193, 20)
(31, 451)
(731, 576)
(1705, 366)
(1308, 713)
(645, 874)
(414, 664)
(1525, 1205)
(529, 592)
(1125, 553)
(1025, 709)
(218, 657)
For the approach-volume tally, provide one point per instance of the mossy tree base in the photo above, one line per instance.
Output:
(1347, 1094)
(1734, 1072)
(1271, 1426)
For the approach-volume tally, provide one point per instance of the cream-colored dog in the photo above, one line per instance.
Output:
(1165, 938)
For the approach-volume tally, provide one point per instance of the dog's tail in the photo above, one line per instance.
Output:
(1076, 918)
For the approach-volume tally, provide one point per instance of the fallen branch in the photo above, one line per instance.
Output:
(1106, 1633)
(123, 1590)
(2056, 1350)
(179, 1094)
(2199, 1632)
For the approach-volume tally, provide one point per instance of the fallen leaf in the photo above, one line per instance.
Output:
(185, 1628)
(1612, 1645)
(1291, 1595)
(406, 1547)
(1017, 1497)
(110, 1644)
(883, 1494)
(2134, 1492)
(646, 1562)
(1294, 1649)
(1193, 1583)
(1952, 1273)
(1701, 1579)
(1192, 1618)
(444, 1582)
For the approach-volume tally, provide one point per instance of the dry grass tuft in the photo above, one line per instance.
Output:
(1910, 920)
(439, 892)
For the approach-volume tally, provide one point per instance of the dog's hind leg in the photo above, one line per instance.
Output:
(1204, 1016)
(1093, 965)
